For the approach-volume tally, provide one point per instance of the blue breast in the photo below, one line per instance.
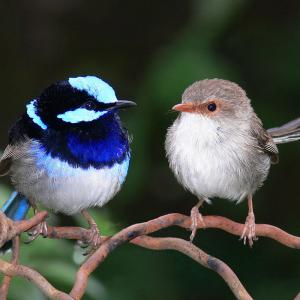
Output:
(105, 151)
(101, 145)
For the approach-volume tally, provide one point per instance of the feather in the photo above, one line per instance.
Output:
(286, 133)
(5, 161)
(10, 153)
(264, 139)
(16, 208)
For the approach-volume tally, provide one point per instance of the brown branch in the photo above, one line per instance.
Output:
(10, 229)
(199, 256)
(34, 276)
(69, 233)
(14, 260)
(135, 234)
(175, 219)
(262, 230)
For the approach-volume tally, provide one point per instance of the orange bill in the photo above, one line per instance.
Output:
(184, 107)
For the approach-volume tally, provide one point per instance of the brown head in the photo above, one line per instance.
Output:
(215, 98)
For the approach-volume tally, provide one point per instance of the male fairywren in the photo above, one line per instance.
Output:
(68, 151)
(217, 147)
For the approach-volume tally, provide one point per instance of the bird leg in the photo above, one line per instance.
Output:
(249, 228)
(95, 238)
(40, 229)
(196, 216)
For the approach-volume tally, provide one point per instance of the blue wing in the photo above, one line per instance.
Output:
(16, 208)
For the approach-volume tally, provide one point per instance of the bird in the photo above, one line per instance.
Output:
(68, 151)
(217, 147)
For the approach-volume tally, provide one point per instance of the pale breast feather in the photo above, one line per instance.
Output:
(61, 187)
(207, 161)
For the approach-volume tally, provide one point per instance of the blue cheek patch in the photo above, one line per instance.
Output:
(31, 112)
(80, 115)
(95, 87)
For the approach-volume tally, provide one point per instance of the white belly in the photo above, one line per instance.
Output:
(207, 161)
(61, 187)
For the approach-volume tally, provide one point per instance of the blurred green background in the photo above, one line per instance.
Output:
(150, 51)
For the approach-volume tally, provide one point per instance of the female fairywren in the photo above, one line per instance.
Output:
(217, 147)
(68, 151)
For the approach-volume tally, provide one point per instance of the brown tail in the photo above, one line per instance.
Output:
(286, 133)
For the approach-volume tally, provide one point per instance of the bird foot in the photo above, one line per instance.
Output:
(40, 229)
(196, 218)
(93, 242)
(249, 230)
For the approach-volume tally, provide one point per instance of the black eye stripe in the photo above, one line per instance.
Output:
(93, 105)
(89, 105)
(106, 105)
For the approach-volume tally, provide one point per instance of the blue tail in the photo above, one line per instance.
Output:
(16, 208)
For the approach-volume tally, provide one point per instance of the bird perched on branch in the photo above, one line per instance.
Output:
(68, 151)
(217, 147)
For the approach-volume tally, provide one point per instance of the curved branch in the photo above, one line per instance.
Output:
(262, 230)
(135, 234)
(14, 260)
(175, 219)
(199, 256)
(10, 229)
(32, 275)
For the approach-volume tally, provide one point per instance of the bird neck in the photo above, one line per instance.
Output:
(101, 144)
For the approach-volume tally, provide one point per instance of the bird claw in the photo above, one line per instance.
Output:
(93, 242)
(82, 244)
(40, 229)
(196, 218)
(249, 230)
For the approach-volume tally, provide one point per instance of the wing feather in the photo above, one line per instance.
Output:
(265, 140)
(6, 159)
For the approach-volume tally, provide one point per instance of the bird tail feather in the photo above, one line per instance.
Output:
(16, 208)
(286, 133)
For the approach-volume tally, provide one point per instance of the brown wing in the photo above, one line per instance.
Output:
(271, 148)
(264, 139)
(17, 135)
(11, 152)
(6, 159)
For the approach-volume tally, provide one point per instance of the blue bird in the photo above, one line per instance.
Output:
(68, 151)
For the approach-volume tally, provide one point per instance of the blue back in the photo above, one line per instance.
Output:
(16, 208)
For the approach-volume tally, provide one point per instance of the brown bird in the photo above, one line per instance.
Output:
(217, 147)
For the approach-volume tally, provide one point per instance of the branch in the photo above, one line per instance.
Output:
(32, 275)
(14, 260)
(175, 219)
(199, 256)
(135, 234)
(10, 229)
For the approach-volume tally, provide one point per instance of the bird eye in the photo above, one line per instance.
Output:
(89, 105)
(212, 106)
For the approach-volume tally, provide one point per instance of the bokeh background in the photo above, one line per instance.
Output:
(150, 51)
